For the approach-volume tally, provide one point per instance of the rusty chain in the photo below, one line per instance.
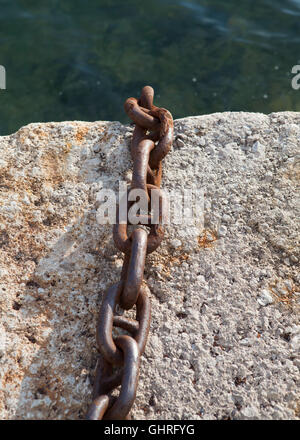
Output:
(119, 358)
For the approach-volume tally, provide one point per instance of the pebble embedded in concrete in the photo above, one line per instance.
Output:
(265, 298)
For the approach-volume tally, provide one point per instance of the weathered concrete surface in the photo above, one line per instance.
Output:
(224, 340)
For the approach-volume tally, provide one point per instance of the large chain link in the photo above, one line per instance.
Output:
(119, 358)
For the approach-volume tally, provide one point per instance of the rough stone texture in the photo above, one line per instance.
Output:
(225, 333)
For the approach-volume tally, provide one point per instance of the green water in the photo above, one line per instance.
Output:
(79, 60)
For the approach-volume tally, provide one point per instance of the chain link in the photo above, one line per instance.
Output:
(119, 357)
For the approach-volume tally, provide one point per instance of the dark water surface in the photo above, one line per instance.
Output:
(79, 60)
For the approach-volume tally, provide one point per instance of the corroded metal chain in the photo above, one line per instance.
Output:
(119, 357)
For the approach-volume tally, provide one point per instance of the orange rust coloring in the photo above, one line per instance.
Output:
(207, 238)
